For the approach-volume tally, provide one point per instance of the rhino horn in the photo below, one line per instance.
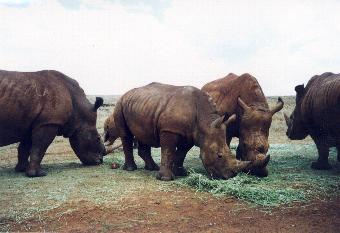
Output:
(261, 161)
(240, 165)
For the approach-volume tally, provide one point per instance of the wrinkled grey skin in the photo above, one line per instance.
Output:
(174, 118)
(317, 113)
(242, 95)
(38, 106)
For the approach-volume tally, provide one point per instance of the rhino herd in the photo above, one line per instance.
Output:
(38, 106)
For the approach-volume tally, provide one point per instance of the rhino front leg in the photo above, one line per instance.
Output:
(179, 169)
(168, 143)
(129, 164)
(42, 137)
(323, 150)
(144, 152)
(23, 154)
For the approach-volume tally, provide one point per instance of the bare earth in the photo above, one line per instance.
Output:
(183, 211)
(136, 202)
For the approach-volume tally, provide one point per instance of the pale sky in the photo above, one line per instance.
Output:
(112, 46)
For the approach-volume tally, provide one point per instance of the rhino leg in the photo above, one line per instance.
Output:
(23, 154)
(129, 164)
(144, 152)
(42, 137)
(323, 150)
(168, 143)
(135, 143)
(239, 152)
(178, 168)
(338, 149)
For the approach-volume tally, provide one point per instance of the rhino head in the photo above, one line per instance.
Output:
(296, 129)
(110, 131)
(215, 153)
(85, 140)
(253, 134)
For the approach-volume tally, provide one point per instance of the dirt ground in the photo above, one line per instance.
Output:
(137, 202)
(183, 211)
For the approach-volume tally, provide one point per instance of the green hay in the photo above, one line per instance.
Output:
(245, 188)
(290, 180)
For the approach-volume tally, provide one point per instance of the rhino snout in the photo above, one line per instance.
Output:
(261, 161)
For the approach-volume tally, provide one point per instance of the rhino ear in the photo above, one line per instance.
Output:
(218, 122)
(241, 103)
(229, 120)
(278, 106)
(300, 88)
(223, 120)
(99, 102)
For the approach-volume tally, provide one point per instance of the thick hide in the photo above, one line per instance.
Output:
(243, 96)
(317, 113)
(174, 118)
(38, 106)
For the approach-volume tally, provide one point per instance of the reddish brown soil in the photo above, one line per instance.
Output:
(183, 211)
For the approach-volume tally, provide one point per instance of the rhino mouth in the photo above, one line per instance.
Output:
(258, 167)
(214, 174)
(227, 172)
(93, 162)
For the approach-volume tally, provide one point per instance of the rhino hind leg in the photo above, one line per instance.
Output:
(168, 143)
(129, 164)
(23, 154)
(144, 152)
(42, 137)
(178, 168)
(322, 162)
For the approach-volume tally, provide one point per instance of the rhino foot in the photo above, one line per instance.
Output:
(129, 167)
(321, 166)
(180, 171)
(165, 176)
(20, 167)
(35, 173)
(151, 167)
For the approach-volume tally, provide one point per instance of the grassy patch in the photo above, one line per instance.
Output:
(291, 179)
(68, 182)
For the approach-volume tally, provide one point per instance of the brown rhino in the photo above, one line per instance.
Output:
(38, 106)
(174, 118)
(111, 135)
(243, 96)
(317, 113)
(110, 131)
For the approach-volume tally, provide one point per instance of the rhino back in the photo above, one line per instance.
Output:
(225, 92)
(29, 99)
(321, 103)
(149, 110)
